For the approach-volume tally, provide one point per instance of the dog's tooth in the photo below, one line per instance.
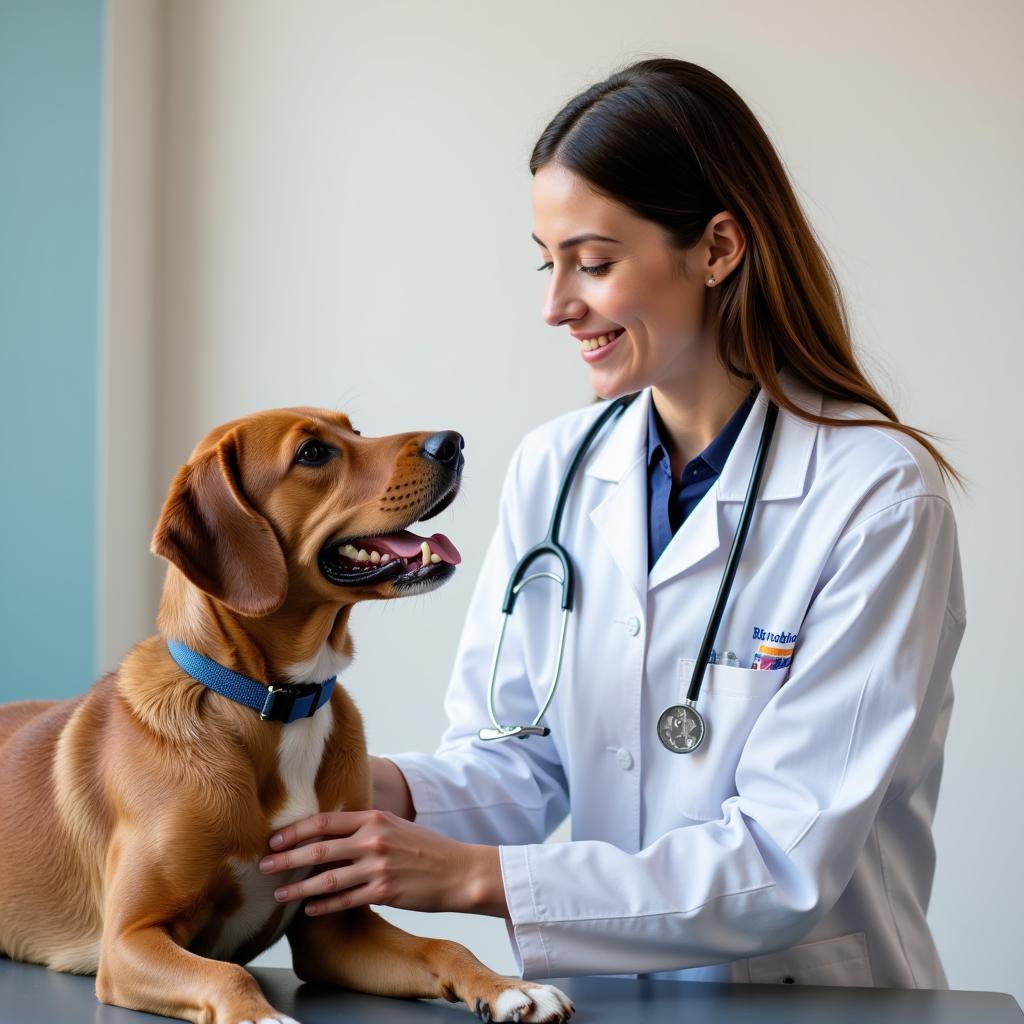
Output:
(435, 559)
(425, 550)
(385, 558)
(375, 557)
(364, 555)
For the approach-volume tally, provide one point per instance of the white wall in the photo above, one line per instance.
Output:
(132, 484)
(344, 219)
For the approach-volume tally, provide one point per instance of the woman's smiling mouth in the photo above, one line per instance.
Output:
(599, 346)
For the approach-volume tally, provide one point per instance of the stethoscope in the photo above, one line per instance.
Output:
(681, 727)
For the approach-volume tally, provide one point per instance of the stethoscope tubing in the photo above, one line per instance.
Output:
(550, 545)
(731, 565)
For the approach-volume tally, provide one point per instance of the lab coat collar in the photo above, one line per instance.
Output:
(621, 518)
(626, 443)
(785, 474)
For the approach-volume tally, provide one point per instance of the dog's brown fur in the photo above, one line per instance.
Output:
(132, 816)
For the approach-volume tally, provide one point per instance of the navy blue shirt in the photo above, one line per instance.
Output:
(670, 501)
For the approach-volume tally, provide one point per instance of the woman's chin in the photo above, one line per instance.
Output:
(610, 386)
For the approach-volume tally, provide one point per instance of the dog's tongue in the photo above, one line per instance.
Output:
(407, 545)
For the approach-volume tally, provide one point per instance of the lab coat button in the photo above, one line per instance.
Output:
(624, 759)
(633, 625)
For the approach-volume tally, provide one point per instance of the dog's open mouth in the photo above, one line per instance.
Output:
(401, 557)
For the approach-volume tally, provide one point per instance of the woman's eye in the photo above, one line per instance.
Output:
(313, 453)
(597, 269)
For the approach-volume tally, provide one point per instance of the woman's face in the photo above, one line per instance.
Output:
(629, 284)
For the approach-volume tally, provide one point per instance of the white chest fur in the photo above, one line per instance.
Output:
(299, 754)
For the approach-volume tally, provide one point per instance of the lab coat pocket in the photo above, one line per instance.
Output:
(730, 701)
(840, 961)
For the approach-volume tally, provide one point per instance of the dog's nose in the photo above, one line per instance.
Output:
(444, 447)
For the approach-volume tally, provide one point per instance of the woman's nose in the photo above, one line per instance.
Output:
(560, 306)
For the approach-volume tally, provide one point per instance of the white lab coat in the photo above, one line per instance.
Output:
(795, 845)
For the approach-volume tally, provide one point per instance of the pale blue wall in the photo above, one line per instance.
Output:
(51, 72)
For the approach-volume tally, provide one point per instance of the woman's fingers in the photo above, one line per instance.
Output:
(321, 852)
(331, 880)
(326, 823)
(359, 896)
(330, 823)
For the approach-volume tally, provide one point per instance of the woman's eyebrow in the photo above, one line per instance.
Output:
(577, 239)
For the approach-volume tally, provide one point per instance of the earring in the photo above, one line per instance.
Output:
(711, 280)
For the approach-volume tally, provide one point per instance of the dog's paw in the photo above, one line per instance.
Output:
(279, 1019)
(530, 1003)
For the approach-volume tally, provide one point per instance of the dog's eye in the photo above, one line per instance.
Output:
(313, 453)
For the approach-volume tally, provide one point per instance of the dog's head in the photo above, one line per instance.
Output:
(296, 504)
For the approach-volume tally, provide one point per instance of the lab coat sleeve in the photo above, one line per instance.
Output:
(505, 791)
(869, 673)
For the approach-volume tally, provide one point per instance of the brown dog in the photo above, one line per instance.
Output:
(133, 817)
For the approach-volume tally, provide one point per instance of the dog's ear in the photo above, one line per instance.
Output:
(208, 529)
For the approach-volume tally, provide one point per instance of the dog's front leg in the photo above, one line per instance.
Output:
(152, 888)
(358, 949)
(145, 969)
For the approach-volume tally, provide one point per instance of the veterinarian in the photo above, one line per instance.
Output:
(792, 843)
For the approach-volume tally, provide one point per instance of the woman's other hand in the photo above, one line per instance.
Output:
(378, 857)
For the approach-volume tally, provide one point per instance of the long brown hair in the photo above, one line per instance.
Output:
(675, 144)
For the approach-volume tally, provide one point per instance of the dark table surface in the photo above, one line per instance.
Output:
(32, 993)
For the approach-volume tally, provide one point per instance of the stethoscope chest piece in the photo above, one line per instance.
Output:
(681, 728)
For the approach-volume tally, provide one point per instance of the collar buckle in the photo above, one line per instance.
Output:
(281, 700)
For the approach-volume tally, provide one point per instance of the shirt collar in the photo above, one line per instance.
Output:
(717, 451)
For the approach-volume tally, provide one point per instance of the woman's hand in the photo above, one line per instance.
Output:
(377, 857)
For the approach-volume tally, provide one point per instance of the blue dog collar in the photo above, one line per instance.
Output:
(280, 702)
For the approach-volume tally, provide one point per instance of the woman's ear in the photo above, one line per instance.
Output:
(208, 529)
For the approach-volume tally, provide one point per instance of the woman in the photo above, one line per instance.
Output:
(794, 844)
